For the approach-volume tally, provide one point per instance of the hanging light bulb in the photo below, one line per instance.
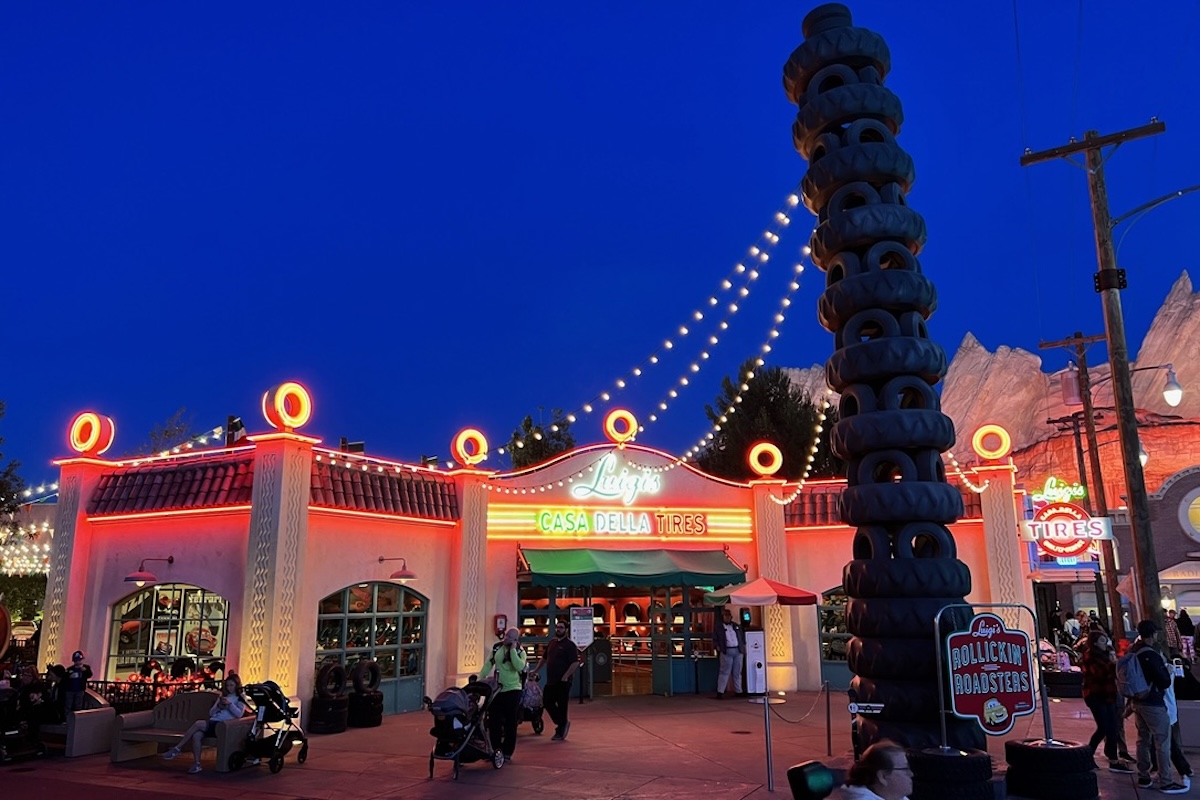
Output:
(1143, 456)
(1173, 391)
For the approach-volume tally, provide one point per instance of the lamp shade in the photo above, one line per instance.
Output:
(141, 577)
(404, 575)
(1173, 391)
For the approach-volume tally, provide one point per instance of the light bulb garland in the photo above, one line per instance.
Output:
(39, 494)
(958, 470)
(812, 452)
(25, 549)
(557, 483)
(744, 272)
(179, 449)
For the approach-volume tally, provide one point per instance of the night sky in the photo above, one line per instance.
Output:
(448, 214)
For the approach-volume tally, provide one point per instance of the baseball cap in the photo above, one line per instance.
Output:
(77, 655)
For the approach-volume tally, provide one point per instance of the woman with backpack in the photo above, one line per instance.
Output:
(1100, 694)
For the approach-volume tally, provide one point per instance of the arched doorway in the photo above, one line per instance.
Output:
(381, 621)
(178, 625)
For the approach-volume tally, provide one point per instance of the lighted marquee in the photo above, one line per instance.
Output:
(1065, 530)
(506, 520)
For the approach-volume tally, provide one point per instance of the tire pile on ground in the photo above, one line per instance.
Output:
(330, 707)
(1042, 771)
(956, 775)
(366, 704)
(891, 430)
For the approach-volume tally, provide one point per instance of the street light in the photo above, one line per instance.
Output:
(1172, 390)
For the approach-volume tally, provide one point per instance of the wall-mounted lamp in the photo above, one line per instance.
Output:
(402, 575)
(141, 577)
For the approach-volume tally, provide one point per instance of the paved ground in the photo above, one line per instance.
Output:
(628, 747)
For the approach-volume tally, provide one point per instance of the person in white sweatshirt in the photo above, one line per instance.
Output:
(882, 773)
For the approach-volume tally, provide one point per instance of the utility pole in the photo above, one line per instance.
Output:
(1108, 282)
(1108, 558)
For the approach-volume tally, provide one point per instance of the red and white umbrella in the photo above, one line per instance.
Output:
(761, 592)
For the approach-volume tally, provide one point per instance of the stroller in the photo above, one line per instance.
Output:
(18, 733)
(531, 699)
(458, 727)
(274, 730)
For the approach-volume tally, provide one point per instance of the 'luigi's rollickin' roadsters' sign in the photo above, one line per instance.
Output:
(991, 674)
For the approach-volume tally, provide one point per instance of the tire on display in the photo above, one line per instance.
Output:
(906, 577)
(910, 427)
(1051, 786)
(903, 618)
(891, 658)
(1035, 756)
(961, 733)
(937, 790)
(900, 700)
(897, 503)
(366, 676)
(331, 681)
(969, 766)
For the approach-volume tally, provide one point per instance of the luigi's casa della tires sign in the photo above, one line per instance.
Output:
(991, 674)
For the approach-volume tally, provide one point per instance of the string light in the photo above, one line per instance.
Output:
(30, 494)
(812, 452)
(958, 470)
(741, 276)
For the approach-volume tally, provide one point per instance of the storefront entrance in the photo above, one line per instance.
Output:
(380, 621)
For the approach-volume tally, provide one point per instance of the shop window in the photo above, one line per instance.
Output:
(835, 637)
(380, 621)
(183, 628)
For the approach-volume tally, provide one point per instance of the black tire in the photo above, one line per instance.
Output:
(936, 790)
(302, 756)
(539, 725)
(331, 681)
(880, 360)
(891, 658)
(1035, 756)
(907, 577)
(237, 761)
(1052, 786)
(894, 503)
(366, 676)
(875, 162)
(842, 106)
(961, 733)
(902, 701)
(843, 44)
(852, 437)
(903, 618)
(933, 766)
(276, 764)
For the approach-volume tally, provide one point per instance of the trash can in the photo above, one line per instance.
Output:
(602, 650)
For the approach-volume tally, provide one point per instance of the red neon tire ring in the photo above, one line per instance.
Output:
(91, 434)
(470, 447)
(756, 463)
(287, 406)
(620, 415)
(1003, 448)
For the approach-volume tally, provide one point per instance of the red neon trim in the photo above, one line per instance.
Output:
(180, 512)
(350, 512)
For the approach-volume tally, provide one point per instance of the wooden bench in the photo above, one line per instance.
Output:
(141, 733)
(84, 732)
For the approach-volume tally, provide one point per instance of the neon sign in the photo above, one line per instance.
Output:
(1065, 530)
(1058, 491)
(609, 484)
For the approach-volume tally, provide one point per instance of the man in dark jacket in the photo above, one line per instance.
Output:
(730, 641)
(562, 659)
(1150, 713)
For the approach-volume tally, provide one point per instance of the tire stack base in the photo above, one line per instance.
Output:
(366, 710)
(328, 715)
(1058, 771)
(956, 775)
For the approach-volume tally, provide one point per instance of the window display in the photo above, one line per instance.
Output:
(180, 627)
(380, 621)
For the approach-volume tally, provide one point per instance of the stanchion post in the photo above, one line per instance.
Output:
(828, 719)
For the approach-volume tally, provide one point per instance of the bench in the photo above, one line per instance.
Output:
(84, 732)
(140, 734)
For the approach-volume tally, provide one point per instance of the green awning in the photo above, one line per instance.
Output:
(584, 567)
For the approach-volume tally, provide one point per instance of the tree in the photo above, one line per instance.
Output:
(10, 493)
(532, 443)
(174, 431)
(23, 595)
(773, 410)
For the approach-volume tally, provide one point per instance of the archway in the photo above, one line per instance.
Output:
(176, 624)
(381, 621)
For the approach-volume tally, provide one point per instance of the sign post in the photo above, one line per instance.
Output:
(583, 633)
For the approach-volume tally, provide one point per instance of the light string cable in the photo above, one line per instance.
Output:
(977, 488)
(557, 482)
(31, 495)
(773, 333)
(740, 276)
(826, 402)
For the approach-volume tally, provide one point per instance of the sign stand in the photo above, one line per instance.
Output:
(583, 633)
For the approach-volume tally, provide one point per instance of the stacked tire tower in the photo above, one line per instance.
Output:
(891, 431)
(330, 707)
(366, 704)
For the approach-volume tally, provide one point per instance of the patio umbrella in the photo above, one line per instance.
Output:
(763, 592)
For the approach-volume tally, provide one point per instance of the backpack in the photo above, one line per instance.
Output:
(1131, 679)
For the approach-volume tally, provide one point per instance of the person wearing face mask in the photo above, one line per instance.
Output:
(507, 661)
(1100, 694)
(562, 659)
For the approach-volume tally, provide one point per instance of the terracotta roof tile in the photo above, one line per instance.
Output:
(224, 480)
(406, 493)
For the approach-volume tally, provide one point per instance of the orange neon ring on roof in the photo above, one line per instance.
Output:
(470, 437)
(772, 466)
(982, 450)
(610, 425)
(91, 434)
(287, 406)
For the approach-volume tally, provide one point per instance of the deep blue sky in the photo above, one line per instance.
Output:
(458, 213)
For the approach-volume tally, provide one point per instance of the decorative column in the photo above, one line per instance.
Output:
(276, 548)
(779, 622)
(1001, 535)
(468, 636)
(891, 430)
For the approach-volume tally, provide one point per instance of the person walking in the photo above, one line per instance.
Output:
(1187, 635)
(1100, 694)
(507, 662)
(1174, 639)
(562, 659)
(730, 641)
(883, 773)
(1150, 713)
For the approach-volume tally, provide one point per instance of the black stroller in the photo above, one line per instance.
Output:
(531, 699)
(18, 732)
(458, 727)
(274, 731)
